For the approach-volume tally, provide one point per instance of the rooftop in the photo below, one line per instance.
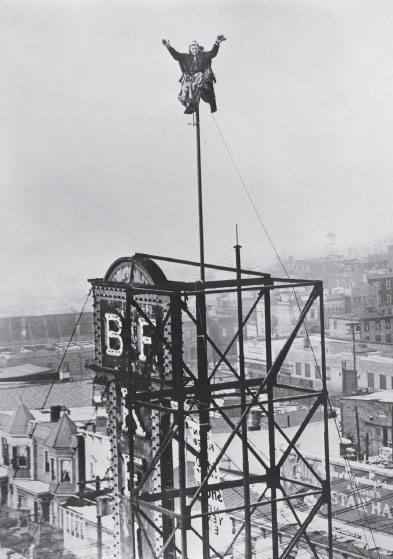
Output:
(38, 394)
(31, 486)
(26, 371)
(381, 396)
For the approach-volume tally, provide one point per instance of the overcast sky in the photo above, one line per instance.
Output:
(98, 160)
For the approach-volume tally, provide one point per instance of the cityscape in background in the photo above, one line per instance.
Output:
(55, 467)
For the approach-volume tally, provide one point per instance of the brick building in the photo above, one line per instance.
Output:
(372, 327)
(367, 421)
(383, 283)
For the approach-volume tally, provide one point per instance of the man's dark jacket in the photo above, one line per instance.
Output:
(190, 64)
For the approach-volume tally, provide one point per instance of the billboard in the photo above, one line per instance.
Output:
(361, 494)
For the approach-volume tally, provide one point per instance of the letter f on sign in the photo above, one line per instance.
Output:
(113, 330)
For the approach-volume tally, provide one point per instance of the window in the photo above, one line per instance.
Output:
(52, 469)
(101, 421)
(388, 284)
(20, 457)
(317, 372)
(387, 323)
(388, 338)
(382, 382)
(22, 502)
(307, 370)
(377, 285)
(377, 324)
(335, 324)
(366, 326)
(46, 461)
(379, 300)
(312, 314)
(298, 368)
(5, 452)
(389, 298)
(65, 470)
(378, 338)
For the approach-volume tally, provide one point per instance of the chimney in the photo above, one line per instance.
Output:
(55, 413)
(390, 257)
(81, 461)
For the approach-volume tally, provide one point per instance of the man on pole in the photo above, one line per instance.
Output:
(197, 76)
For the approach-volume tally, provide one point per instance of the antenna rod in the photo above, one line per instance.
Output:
(201, 241)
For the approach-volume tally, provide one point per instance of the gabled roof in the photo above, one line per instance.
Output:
(61, 434)
(19, 420)
(70, 394)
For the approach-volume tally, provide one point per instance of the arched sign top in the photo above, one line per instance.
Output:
(135, 270)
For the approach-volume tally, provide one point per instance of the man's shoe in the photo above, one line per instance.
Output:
(189, 110)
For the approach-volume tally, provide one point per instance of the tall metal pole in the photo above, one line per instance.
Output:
(202, 389)
(130, 403)
(272, 474)
(326, 488)
(243, 403)
(200, 205)
(177, 365)
(202, 393)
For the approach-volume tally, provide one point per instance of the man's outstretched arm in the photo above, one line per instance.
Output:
(214, 51)
(176, 55)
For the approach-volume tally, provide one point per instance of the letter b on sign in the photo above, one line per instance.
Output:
(113, 338)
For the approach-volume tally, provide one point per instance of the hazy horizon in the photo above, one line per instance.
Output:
(98, 159)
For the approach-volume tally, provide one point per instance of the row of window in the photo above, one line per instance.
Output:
(74, 525)
(385, 382)
(359, 300)
(388, 284)
(378, 338)
(15, 456)
(307, 371)
(378, 324)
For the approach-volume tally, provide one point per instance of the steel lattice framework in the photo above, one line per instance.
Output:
(162, 410)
